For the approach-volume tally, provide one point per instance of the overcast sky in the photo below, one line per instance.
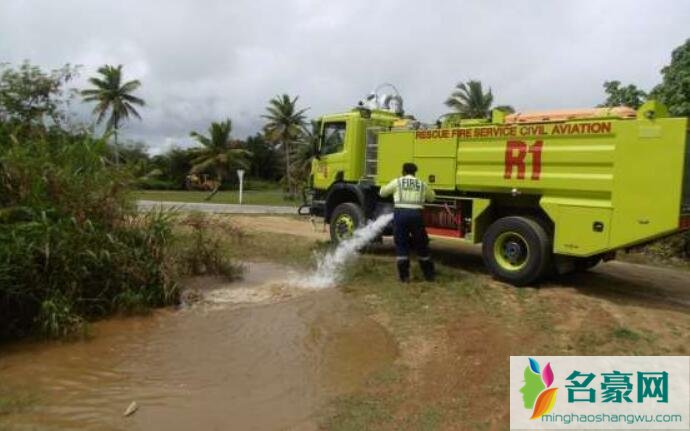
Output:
(205, 60)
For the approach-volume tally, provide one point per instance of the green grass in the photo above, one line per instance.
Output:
(429, 419)
(14, 402)
(251, 197)
(353, 413)
(626, 334)
(285, 249)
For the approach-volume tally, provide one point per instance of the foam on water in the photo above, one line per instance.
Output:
(329, 267)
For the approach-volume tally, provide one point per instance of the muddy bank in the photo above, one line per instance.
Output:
(256, 354)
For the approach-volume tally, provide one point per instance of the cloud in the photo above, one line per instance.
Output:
(201, 61)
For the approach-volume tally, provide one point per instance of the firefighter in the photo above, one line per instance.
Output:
(409, 195)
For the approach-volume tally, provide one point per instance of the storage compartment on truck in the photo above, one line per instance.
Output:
(436, 160)
(456, 218)
(446, 219)
(582, 230)
(393, 149)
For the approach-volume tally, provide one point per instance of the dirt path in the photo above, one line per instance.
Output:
(284, 225)
(214, 208)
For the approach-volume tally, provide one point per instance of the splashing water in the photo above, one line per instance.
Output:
(329, 267)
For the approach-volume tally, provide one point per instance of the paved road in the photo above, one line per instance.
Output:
(144, 205)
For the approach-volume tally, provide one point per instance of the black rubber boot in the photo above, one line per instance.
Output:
(428, 270)
(404, 270)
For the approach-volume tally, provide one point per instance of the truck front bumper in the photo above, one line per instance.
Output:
(317, 208)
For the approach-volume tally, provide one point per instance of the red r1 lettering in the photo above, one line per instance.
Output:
(515, 155)
(535, 151)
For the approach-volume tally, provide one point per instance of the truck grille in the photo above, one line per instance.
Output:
(685, 204)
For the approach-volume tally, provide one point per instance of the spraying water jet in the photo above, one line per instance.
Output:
(330, 266)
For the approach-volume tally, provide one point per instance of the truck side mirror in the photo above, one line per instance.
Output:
(315, 150)
(318, 145)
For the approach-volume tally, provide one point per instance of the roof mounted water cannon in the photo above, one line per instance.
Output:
(383, 101)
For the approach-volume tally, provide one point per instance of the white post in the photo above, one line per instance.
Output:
(240, 175)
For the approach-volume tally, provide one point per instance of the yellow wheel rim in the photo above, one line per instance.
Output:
(511, 251)
(344, 226)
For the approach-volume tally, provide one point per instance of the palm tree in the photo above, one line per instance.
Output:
(114, 96)
(470, 101)
(284, 126)
(305, 150)
(217, 153)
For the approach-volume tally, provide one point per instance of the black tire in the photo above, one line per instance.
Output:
(517, 250)
(344, 214)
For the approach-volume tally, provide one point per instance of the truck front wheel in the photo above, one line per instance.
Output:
(345, 219)
(517, 250)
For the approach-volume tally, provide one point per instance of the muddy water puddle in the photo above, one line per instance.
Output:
(255, 354)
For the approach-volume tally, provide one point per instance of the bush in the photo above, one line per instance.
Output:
(672, 249)
(204, 250)
(71, 246)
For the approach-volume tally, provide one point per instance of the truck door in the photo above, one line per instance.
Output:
(333, 154)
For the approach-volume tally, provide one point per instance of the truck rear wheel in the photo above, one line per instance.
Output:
(517, 250)
(345, 219)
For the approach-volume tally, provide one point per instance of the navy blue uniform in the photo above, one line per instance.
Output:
(409, 225)
(409, 195)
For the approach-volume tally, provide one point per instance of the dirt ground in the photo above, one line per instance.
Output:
(455, 336)
(284, 225)
(271, 352)
(629, 280)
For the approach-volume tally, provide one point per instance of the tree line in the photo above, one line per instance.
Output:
(73, 246)
(283, 150)
(469, 100)
(673, 90)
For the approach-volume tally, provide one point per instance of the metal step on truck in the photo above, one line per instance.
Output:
(543, 192)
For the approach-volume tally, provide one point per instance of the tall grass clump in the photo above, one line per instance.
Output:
(72, 248)
(201, 248)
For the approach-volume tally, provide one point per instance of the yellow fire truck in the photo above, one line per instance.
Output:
(542, 191)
